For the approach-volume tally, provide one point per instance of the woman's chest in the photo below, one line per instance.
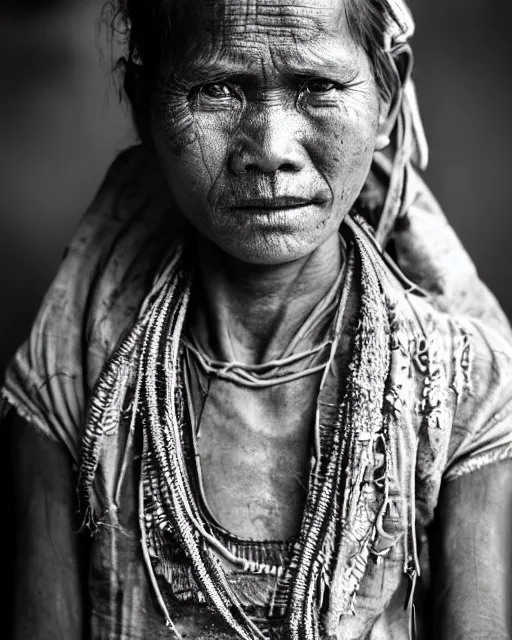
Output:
(253, 448)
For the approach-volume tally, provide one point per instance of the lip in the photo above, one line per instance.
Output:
(278, 203)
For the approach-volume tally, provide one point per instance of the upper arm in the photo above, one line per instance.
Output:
(49, 558)
(472, 556)
(473, 519)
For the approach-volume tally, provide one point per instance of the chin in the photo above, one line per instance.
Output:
(269, 249)
(272, 238)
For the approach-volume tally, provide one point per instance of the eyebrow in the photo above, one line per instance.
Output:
(196, 71)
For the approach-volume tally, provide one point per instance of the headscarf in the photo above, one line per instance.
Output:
(411, 143)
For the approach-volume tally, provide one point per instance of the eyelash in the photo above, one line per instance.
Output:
(333, 85)
(304, 87)
(223, 85)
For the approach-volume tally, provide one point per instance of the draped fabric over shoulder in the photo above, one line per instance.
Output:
(455, 368)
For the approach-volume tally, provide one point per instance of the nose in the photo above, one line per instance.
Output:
(268, 142)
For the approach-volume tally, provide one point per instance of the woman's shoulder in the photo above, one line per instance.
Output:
(106, 271)
(115, 249)
(133, 193)
(119, 243)
(113, 254)
(472, 360)
(465, 344)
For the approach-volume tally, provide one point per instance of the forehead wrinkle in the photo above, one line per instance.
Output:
(250, 19)
(336, 56)
(219, 46)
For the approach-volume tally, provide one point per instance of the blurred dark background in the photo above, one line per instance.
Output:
(61, 124)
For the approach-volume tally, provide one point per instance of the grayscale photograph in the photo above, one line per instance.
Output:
(256, 357)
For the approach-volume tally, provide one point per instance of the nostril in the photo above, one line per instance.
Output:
(288, 166)
(261, 168)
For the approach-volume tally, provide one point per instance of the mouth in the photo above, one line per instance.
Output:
(278, 203)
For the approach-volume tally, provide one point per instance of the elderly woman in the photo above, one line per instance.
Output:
(265, 416)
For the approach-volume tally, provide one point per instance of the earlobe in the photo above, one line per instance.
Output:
(386, 125)
(382, 141)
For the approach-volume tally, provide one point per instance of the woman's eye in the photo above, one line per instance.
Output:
(319, 86)
(217, 90)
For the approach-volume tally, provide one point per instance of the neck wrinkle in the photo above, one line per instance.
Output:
(250, 313)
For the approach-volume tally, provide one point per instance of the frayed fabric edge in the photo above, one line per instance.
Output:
(8, 402)
(498, 454)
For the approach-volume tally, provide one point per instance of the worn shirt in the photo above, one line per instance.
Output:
(459, 364)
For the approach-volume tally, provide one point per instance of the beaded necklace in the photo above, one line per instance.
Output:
(337, 530)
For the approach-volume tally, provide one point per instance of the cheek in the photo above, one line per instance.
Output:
(184, 130)
(172, 122)
(345, 142)
(192, 147)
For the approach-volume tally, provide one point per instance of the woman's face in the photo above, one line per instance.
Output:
(266, 124)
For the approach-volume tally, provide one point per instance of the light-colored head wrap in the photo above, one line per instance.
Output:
(411, 143)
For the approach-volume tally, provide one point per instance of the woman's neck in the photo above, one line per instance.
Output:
(249, 313)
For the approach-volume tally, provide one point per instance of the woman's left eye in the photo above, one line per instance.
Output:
(319, 86)
(217, 90)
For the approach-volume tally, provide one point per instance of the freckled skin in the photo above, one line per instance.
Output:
(238, 117)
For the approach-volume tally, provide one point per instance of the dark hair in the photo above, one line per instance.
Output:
(148, 26)
(367, 22)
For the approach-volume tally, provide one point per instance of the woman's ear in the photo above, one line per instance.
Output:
(390, 108)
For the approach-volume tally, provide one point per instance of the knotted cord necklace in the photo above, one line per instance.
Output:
(335, 516)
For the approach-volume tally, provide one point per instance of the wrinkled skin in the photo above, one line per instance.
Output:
(267, 100)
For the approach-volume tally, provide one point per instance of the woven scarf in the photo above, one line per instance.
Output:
(344, 507)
